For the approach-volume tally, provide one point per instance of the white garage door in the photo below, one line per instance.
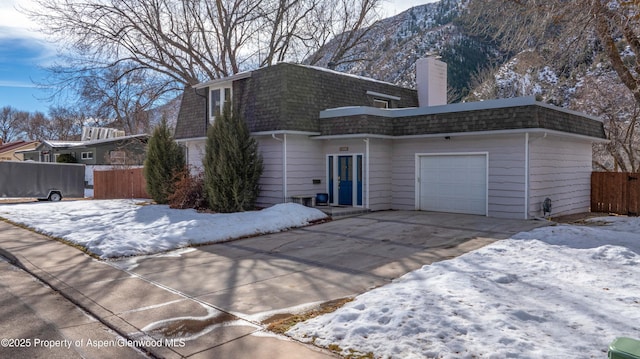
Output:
(453, 183)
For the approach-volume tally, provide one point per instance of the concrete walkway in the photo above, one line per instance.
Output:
(210, 301)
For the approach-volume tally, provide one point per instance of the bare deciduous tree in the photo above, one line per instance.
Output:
(573, 34)
(37, 127)
(191, 40)
(12, 124)
(566, 32)
(621, 116)
(120, 95)
(65, 124)
(347, 23)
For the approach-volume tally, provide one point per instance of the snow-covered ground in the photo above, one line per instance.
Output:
(115, 228)
(561, 291)
(555, 292)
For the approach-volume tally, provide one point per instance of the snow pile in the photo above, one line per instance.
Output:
(115, 228)
(563, 291)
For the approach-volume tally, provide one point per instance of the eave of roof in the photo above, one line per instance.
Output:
(16, 145)
(213, 83)
(66, 144)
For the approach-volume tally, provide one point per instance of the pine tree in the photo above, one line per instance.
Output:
(232, 165)
(165, 159)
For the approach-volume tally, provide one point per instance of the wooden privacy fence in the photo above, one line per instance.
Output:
(121, 183)
(615, 192)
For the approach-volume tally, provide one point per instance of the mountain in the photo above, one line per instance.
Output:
(392, 46)
(479, 70)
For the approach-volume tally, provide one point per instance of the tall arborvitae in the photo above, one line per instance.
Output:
(232, 165)
(165, 159)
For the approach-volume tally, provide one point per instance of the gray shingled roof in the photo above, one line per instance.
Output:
(497, 115)
(288, 97)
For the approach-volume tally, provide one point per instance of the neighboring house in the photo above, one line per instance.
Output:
(12, 151)
(122, 150)
(379, 146)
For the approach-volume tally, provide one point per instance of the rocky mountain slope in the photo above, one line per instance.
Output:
(393, 45)
(477, 69)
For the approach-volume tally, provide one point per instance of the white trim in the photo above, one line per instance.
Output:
(284, 132)
(222, 89)
(417, 172)
(449, 108)
(217, 82)
(366, 164)
(190, 139)
(355, 135)
(526, 175)
(460, 134)
(284, 168)
(382, 95)
(383, 102)
(354, 177)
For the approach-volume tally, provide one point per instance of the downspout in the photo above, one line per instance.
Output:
(526, 175)
(366, 173)
(284, 164)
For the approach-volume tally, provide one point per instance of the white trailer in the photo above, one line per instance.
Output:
(41, 180)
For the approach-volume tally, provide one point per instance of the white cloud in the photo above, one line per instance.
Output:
(15, 24)
(22, 84)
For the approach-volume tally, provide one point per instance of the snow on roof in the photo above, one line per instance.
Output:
(335, 72)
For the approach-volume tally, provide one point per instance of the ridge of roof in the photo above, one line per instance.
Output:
(247, 74)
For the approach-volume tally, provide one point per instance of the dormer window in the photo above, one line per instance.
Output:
(218, 98)
(382, 100)
(379, 103)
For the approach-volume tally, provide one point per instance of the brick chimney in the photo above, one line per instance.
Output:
(431, 82)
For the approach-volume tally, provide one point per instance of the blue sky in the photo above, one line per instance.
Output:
(24, 52)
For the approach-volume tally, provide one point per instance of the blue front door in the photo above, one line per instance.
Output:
(345, 180)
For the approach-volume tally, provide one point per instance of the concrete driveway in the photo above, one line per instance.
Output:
(217, 296)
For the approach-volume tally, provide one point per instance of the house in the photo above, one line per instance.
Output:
(12, 151)
(98, 146)
(378, 146)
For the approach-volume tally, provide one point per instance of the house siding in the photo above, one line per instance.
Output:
(195, 154)
(560, 168)
(380, 179)
(271, 180)
(506, 170)
(305, 162)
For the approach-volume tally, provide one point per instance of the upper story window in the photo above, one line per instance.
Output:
(382, 100)
(218, 98)
(380, 103)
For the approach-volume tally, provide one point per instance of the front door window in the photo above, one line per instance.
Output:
(344, 179)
